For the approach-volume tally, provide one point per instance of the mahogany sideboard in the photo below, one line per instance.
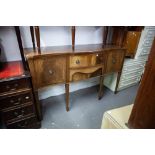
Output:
(62, 64)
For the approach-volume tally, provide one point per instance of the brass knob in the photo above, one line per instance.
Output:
(113, 61)
(77, 61)
(27, 97)
(50, 72)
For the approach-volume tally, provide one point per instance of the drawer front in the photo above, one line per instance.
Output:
(114, 61)
(50, 70)
(88, 60)
(26, 123)
(16, 100)
(14, 85)
(18, 113)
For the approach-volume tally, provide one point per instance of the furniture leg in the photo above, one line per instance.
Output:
(32, 36)
(100, 94)
(37, 33)
(67, 96)
(38, 106)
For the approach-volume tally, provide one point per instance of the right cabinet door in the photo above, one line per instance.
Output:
(114, 61)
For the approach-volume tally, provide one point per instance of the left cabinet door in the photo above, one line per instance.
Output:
(50, 69)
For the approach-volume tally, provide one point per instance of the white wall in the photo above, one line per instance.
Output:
(50, 36)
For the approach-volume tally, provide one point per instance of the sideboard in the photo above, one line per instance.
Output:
(66, 64)
(62, 64)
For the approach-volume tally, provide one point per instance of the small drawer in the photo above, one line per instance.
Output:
(29, 122)
(16, 100)
(11, 86)
(18, 113)
(87, 60)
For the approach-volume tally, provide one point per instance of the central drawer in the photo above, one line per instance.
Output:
(86, 60)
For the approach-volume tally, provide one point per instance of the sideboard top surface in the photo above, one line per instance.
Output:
(67, 49)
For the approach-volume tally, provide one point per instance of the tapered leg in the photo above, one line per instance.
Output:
(67, 96)
(38, 106)
(100, 94)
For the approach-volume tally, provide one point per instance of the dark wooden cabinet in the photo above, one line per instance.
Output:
(17, 101)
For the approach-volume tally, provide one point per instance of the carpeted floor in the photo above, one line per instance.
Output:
(86, 111)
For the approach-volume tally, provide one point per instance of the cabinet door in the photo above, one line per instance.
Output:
(131, 43)
(114, 60)
(50, 70)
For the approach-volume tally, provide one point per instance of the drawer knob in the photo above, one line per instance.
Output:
(27, 97)
(7, 87)
(16, 113)
(16, 85)
(77, 61)
(23, 111)
(113, 61)
(50, 72)
(22, 125)
(11, 101)
(19, 99)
